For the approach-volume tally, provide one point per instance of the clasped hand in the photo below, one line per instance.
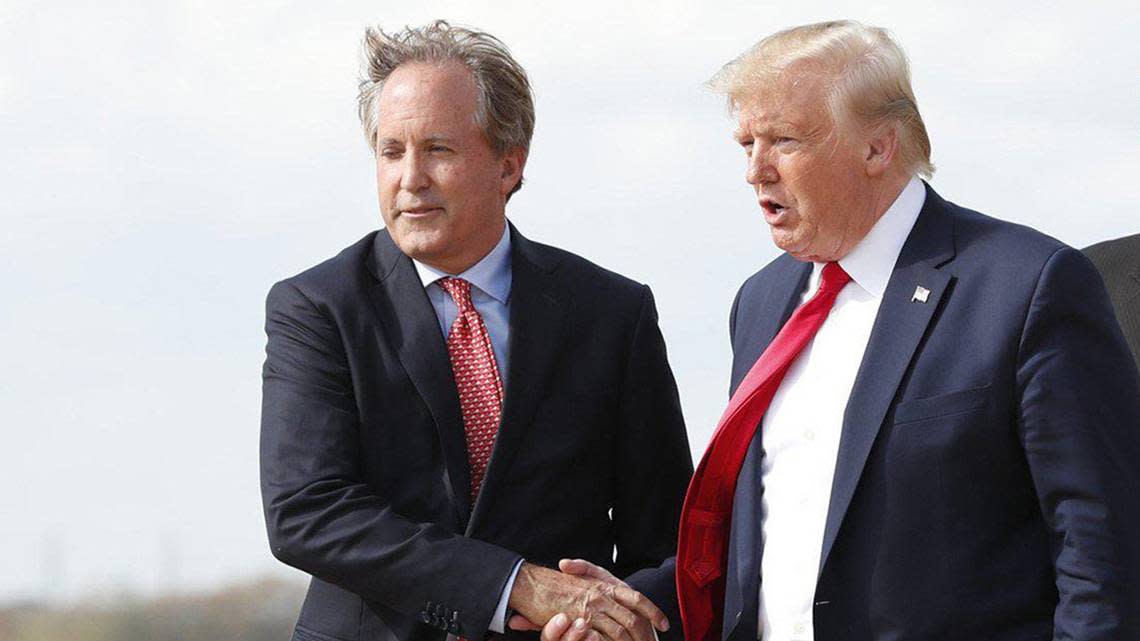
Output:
(583, 602)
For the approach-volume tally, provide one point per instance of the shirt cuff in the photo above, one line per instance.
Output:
(499, 621)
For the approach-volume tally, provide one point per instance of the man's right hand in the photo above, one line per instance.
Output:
(602, 602)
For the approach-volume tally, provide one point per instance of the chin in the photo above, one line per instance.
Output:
(421, 245)
(787, 243)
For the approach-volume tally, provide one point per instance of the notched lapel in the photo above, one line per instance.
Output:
(412, 328)
(901, 323)
(537, 325)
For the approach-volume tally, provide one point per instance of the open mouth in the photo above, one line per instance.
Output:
(771, 206)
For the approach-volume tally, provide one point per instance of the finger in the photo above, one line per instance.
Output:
(635, 626)
(626, 618)
(610, 629)
(582, 567)
(579, 631)
(642, 606)
(555, 627)
(519, 622)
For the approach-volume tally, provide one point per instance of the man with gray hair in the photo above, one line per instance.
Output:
(445, 398)
(932, 432)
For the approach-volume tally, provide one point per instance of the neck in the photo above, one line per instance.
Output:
(477, 252)
(887, 192)
(882, 194)
(878, 198)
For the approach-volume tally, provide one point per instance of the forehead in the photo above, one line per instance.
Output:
(793, 98)
(444, 91)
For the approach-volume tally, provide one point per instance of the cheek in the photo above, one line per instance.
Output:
(387, 179)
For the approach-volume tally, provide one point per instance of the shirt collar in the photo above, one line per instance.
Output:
(492, 274)
(871, 262)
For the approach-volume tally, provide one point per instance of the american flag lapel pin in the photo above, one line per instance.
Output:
(920, 294)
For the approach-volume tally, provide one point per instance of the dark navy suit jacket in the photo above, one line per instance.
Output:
(987, 484)
(363, 462)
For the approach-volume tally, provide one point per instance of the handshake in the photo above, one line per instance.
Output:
(583, 602)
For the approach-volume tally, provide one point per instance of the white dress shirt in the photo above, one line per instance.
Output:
(802, 426)
(490, 280)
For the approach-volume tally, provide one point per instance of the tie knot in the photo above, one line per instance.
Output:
(833, 278)
(460, 291)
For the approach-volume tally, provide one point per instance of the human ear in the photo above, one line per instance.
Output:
(880, 149)
(512, 169)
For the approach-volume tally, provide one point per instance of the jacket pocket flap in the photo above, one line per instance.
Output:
(941, 405)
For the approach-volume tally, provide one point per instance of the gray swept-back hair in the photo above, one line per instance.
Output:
(505, 109)
(869, 73)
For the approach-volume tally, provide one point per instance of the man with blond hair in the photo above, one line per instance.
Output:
(933, 427)
(448, 407)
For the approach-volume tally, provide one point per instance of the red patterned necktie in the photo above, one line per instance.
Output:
(477, 379)
(702, 543)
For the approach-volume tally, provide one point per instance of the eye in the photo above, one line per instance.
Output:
(747, 146)
(439, 149)
(391, 153)
(784, 140)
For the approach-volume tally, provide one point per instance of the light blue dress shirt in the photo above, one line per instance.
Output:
(490, 280)
(490, 293)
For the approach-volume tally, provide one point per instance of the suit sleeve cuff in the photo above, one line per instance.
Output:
(499, 620)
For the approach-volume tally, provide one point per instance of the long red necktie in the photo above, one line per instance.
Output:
(476, 378)
(702, 543)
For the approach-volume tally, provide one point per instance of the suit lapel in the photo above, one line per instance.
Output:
(412, 328)
(898, 330)
(742, 580)
(789, 278)
(536, 323)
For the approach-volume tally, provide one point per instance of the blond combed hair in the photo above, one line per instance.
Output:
(869, 79)
(505, 109)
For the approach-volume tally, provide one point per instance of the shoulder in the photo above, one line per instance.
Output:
(1016, 273)
(588, 286)
(987, 242)
(333, 280)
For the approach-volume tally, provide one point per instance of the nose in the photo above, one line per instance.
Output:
(760, 169)
(413, 172)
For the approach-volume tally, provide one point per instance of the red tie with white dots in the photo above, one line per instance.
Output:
(477, 379)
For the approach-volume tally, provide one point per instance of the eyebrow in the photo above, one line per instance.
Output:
(434, 138)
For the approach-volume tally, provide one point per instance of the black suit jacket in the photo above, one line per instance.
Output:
(988, 469)
(363, 463)
(1119, 264)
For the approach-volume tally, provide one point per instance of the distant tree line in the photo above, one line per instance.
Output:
(263, 610)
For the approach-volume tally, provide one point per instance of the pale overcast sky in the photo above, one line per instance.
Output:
(164, 163)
